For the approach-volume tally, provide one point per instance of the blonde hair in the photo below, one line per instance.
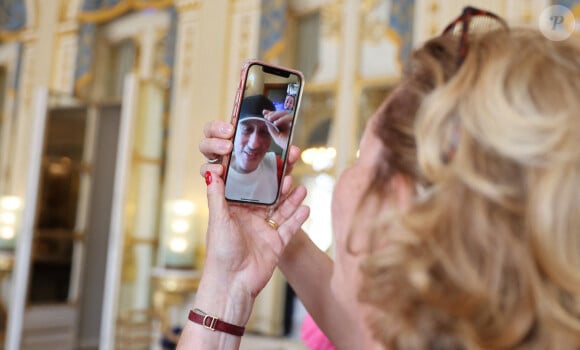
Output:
(430, 66)
(490, 258)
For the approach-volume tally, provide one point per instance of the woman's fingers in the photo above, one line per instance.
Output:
(286, 185)
(287, 207)
(293, 224)
(215, 195)
(218, 169)
(290, 214)
(214, 147)
(218, 129)
(216, 144)
(217, 140)
(293, 214)
(293, 156)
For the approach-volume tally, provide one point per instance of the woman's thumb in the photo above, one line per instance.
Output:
(215, 193)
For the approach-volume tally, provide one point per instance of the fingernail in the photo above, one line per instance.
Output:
(207, 178)
(225, 147)
(226, 129)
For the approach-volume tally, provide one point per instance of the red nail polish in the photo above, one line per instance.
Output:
(207, 178)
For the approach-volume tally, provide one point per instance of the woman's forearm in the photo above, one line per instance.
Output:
(218, 299)
(309, 270)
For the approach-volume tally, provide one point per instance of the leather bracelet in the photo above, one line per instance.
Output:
(213, 323)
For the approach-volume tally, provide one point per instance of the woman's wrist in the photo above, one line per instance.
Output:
(218, 297)
(225, 300)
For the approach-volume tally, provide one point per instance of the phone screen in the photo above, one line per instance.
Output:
(264, 116)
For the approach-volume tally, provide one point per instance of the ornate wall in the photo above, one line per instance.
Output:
(186, 56)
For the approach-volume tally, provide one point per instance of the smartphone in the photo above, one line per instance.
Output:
(264, 115)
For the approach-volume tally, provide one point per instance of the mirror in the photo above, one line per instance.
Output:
(59, 211)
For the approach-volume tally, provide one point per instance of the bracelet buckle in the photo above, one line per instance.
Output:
(212, 322)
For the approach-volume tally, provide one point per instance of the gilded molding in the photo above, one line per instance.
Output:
(434, 29)
(63, 12)
(30, 24)
(433, 14)
(434, 7)
(161, 70)
(32, 13)
(366, 6)
(187, 46)
(527, 14)
(139, 158)
(105, 15)
(112, 12)
(27, 79)
(373, 29)
(314, 87)
(187, 5)
(140, 5)
(28, 36)
(245, 37)
(67, 28)
(369, 83)
(69, 10)
(331, 18)
(64, 58)
(135, 240)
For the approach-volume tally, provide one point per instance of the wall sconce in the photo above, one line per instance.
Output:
(179, 245)
(319, 156)
(10, 210)
(318, 226)
(320, 185)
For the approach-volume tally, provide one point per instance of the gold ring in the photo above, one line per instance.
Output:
(272, 223)
(212, 161)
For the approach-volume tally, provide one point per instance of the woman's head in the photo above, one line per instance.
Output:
(429, 67)
(387, 148)
(388, 145)
(491, 257)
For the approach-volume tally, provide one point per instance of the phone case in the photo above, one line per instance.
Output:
(265, 92)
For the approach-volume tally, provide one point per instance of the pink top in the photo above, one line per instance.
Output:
(313, 337)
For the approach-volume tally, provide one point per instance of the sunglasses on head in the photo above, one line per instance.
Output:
(471, 21)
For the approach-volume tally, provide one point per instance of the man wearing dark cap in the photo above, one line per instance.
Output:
(254, 172)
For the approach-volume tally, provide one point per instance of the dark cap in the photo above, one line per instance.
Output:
(252, 107)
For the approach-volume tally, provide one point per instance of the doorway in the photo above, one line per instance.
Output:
(70, 245)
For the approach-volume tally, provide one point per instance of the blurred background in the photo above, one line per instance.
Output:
(102, 107)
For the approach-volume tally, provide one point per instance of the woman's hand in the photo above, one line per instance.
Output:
(242, 247)
(216, 144)
(242, 252)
